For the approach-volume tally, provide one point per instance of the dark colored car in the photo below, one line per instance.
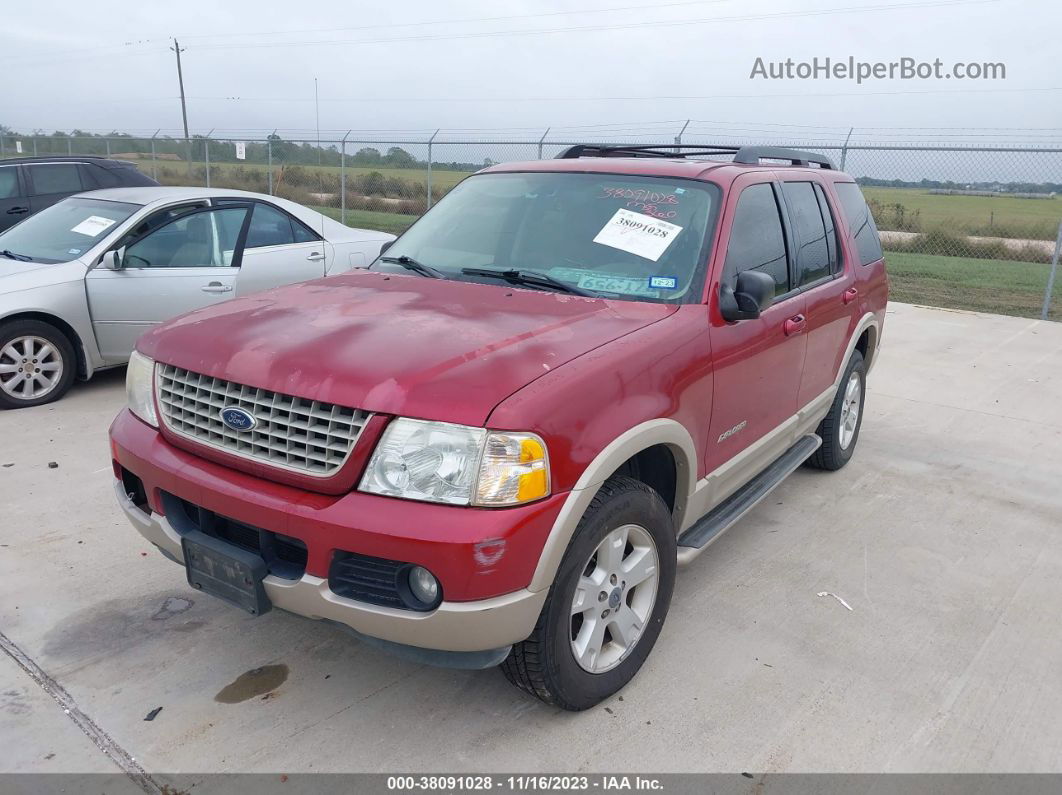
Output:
(29, 184)
(496, 444)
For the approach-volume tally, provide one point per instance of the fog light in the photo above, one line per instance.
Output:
(423, 585)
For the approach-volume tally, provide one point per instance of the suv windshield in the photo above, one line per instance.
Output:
(65, 230)
(622, 236)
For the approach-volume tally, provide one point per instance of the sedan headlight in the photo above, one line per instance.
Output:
(140, 388)
(458, 465)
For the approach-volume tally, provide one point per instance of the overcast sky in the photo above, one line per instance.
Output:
(419, 65)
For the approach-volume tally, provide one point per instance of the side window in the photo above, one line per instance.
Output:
(194, 240)
(757, 241)
(55, 178)
(812, 249)
(269, 227)
(861, 222)
(303, 234)
(8, 182)
(832, 243)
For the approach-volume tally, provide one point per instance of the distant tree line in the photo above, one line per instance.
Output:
(166, 147)
(995, 187)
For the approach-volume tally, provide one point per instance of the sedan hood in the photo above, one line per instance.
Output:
(396, 344)
(16, 276)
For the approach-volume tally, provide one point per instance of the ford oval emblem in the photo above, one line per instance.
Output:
(238, 419)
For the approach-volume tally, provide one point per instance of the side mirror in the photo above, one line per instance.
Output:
(112, 260)
(386, 246)
(752, 294)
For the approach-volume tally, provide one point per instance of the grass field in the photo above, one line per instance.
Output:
(1003, 287)
(977, 215)
(439, 178)
(394, 223)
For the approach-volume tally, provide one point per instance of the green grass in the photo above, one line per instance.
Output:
(1004, 287)
(394, 223)
(1003, 216)
(439, 178)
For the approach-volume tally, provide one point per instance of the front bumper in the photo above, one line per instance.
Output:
(446, 539)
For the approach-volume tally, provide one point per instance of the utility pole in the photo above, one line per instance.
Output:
(317, 112)
(184, 107)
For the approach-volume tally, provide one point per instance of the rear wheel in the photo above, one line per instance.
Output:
(37, 364)
(839, 430)
(607, 604)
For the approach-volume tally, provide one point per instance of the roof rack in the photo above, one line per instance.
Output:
(742, 154)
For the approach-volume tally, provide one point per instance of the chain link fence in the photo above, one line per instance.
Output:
(966, 227)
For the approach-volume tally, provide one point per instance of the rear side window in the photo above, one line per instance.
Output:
(814, 260)
(55, 178)
(860, 221)
(8, 182)
(757, 241)
(269, 227)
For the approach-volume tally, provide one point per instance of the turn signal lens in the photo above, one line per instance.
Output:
(514, 469)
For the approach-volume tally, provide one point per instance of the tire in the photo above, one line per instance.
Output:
(50, 354)
(545, 665)
(838, 441)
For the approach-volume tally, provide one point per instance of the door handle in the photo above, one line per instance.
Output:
(849, 295)
(315, 257)
(216, 287)
(793, 325)
(18, 210)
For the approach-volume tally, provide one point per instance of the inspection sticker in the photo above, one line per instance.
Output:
(638, 234)
(93, 225)
(663, 282)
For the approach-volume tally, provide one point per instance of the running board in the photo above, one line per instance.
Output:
(721, 518)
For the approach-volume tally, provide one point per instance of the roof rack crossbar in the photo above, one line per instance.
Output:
(643, 150)
(748, 155)
(797, 157)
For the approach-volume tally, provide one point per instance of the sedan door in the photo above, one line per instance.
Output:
(14, 206)
(187, 263)
(280, 250)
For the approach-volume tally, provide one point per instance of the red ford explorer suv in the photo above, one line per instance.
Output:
(495, 445)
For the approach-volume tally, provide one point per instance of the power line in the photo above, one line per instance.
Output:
(593, 28)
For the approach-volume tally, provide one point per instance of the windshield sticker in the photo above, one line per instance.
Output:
(615, 283)
(74, 251)
(654, 203)
(638, 234)
(93, 226)
(663, 282)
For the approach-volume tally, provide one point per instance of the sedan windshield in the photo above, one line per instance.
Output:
(65, 230)
(614, 235)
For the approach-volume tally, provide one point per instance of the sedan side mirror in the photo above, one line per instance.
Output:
(385, 246)
(112, 260)
(753, 293)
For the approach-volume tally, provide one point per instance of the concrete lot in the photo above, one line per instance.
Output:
(944, 535)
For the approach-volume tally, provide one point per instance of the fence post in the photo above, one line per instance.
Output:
(430, 140)
(678, 138)
(844, 147)
(269, 160)
(69, 145)
(35, 146)
(541, 141)
(1051, 277)
(206, 152)
(343, 180)
(108, 140)
(154, 163)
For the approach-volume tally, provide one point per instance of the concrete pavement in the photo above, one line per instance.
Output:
(944, 535)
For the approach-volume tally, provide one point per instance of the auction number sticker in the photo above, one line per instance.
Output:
(638, 234)
(93, 225)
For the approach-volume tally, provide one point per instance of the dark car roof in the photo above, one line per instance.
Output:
(99, 160)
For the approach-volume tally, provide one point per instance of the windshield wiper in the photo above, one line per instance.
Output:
(529, 279)
(12, 255)
(417, 267)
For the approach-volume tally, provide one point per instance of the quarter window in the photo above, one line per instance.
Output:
(55, 178)
(831, 230)
(813, 261)
(860, 221)
(269, 227)
(757, 241)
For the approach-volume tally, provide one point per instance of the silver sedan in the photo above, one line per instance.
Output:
(81, 280)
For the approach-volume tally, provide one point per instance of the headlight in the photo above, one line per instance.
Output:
(140, 388)
(456, 464)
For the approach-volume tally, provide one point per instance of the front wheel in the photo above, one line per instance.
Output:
(839, 429)
(37, 364)
(607, 604)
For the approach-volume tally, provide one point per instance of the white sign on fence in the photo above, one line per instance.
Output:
(241, 150)
(18, 146)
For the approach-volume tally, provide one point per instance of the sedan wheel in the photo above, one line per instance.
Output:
(30, 368)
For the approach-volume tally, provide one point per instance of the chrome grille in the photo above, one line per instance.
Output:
(294, 433)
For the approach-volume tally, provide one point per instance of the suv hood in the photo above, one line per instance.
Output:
(396, 344)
